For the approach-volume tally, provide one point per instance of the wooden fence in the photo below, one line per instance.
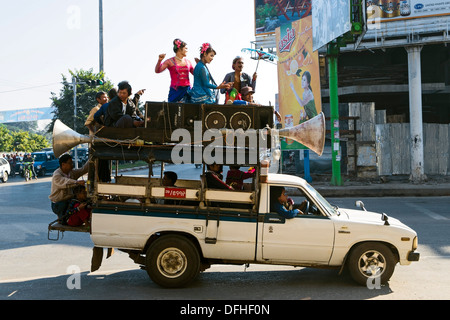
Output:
(393, 148)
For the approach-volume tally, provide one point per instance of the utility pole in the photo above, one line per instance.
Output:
(74, 87)
(100, 2)
(332, 54)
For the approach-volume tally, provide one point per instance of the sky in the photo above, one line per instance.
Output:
(42, 40)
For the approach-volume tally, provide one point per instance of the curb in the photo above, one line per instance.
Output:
(398, 190)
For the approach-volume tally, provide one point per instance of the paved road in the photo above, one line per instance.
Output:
(32, 267)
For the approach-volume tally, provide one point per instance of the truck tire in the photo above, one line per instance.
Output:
(371, 260)
(172, 261)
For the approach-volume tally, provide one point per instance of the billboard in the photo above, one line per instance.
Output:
(380, 11)
(299, 96)
(26, 115)
(271, 14)
(331, 19)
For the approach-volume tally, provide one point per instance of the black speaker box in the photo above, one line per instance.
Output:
(171, 116)
(236, 117)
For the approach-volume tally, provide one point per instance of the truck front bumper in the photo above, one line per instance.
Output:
(413, 256)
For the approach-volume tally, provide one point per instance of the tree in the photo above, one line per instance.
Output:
(21, 140)
(28, 142)
(6, 139)
(64, 104)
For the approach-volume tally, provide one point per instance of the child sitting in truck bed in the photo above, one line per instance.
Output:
(236, 177)
(79, 211)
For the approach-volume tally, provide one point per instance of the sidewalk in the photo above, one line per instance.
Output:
(435, 186)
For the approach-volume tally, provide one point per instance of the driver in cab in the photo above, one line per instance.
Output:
(283, 205)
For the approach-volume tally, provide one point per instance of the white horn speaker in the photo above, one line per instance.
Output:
(65, 138)
(310, 133)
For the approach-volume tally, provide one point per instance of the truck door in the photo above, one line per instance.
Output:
(306, 238)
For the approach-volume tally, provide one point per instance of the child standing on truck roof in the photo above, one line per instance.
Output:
(79, 211)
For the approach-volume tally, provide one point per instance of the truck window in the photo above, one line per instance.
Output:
(296, 199)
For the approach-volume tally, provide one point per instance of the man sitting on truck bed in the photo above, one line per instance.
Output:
(121, 112)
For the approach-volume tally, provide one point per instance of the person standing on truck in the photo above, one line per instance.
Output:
(179, 68)
(63, 179)
(283, 205)
(239, 78)
(205, 89)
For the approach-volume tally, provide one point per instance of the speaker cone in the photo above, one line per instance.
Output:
(215, 120)
(240, 120)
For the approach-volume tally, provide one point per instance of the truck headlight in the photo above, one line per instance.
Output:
(415, 243)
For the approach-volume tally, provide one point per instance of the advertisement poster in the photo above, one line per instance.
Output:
(331, 19)
(298, 76)
(379, 11)
(271, 14)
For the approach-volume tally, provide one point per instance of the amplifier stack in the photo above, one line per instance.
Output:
(171, 116)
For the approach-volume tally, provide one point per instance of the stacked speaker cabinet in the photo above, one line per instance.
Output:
(171, 116)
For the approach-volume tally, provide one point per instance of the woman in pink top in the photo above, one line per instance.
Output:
(179, 68)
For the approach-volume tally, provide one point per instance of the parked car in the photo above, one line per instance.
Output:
(44, 162)
(5, 169)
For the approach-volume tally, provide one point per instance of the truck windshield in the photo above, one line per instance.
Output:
(331, 209)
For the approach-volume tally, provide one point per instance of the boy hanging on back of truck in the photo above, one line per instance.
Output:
(79, 210)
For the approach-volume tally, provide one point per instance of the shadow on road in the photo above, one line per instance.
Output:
(298, 284)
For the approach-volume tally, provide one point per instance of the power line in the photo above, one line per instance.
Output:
(29, 88)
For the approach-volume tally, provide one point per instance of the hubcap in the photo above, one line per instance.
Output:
(172, 262)
(372, 263)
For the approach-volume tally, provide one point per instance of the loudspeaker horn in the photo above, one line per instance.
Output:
(65, 138)
(310, 133)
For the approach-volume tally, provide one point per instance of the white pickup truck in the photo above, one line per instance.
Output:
(176, 232)
(174, 242)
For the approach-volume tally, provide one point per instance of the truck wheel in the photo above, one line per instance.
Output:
(172, 261)
(371, 260)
